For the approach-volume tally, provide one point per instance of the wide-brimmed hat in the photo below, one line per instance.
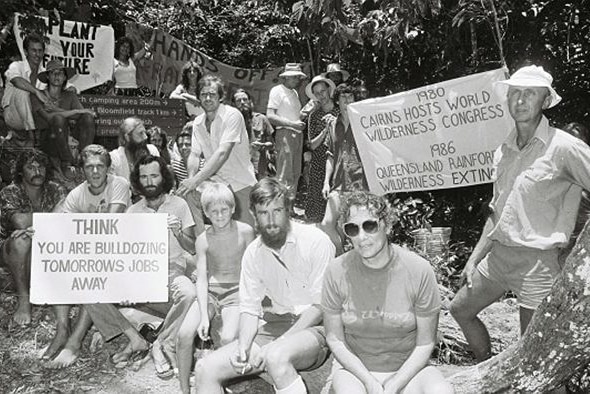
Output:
(316, 79)
(533, 76)
(55, 64)
(293, 70)
(335, 68)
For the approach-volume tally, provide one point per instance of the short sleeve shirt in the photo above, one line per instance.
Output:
(537, 189)
(14, 199)
(291, 278)
(176, 206)
(81, 200)
(379, 307)
(227, 126)
(285, 102)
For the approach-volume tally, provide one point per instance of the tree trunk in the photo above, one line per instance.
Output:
(555, 345)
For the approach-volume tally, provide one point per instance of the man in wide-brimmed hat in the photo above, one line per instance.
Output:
(54, 114)
(283, 113)
(540, 172)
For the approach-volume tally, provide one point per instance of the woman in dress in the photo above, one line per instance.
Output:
(320, 90)
(187, 89)
(381, 305)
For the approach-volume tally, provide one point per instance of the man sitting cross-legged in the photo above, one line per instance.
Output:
(100, 193)
(219, 253)
(30, 192)
(287, 264)
(153, 180)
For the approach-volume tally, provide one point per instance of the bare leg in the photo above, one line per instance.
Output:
(428, 381)
(62, 331)
(16, 254)
(136, 343)
(184, 345)
(70, 352)
(465, 307)
(344, 382)
(329, 223)
(230, 317)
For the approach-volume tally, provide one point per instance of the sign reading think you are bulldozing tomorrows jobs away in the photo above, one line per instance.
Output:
(435, 137)
(98, 257)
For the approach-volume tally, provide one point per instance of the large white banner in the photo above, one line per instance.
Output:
(98, 257)
(435, 137)
(87, 48)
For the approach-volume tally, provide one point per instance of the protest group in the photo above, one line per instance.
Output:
(269, 286)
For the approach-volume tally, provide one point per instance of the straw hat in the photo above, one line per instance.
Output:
(316, 79)
(55, 64)
(335, 68)
(533, 76)
(293, 70)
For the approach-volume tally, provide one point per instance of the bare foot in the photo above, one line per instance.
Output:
(22, 316)
(129, 350)
(64, 359)
(57, 344)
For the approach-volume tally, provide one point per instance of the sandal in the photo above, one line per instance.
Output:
(162, 362)
(130, 357)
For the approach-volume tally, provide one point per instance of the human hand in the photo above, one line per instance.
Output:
(298, 125)
(373, 386)
(467, 273)
(72, 89)
(203, 329)
(186, 187)
(239, 362)
(25, 232)
(174, 224)
(42, 97)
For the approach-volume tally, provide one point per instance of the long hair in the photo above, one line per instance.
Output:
(167, 176)
(122, 41)
(186, 70)
(28, 156)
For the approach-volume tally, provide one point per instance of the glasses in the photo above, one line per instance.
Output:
(353, 229)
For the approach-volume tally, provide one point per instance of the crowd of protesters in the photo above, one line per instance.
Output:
(285, 294)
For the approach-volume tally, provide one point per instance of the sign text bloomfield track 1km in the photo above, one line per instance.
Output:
(165, 113)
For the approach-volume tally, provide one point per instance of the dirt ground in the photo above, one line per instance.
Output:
(22, 372)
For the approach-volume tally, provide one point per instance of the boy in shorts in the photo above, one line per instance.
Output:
(219, 255)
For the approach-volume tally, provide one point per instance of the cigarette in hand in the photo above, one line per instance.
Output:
(243, 370)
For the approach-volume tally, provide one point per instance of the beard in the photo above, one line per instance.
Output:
(137, 150)
(151, 192)
(246, 111)
(274, 241)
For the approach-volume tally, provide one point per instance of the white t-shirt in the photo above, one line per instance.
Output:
(285, 102)
(81, 200)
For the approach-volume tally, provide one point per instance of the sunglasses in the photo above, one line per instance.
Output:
(353, 229)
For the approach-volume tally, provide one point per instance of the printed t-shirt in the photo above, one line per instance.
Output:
(379, 307)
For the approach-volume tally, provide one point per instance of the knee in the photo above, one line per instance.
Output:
(187, 292)
(277, 361)
(58, 122)
(459, 310)
(186, 336)
(226, 337)
(206, 371)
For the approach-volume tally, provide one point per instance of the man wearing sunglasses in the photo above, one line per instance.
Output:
(286, 263)
(540, 172)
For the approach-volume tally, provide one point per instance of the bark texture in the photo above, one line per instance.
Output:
(555, 345)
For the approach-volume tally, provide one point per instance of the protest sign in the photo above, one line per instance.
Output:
(98, 257)
(162, 70)
(87, 48)
(434, 137)
(111, 110)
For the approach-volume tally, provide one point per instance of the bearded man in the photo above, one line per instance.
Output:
(286, 263)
